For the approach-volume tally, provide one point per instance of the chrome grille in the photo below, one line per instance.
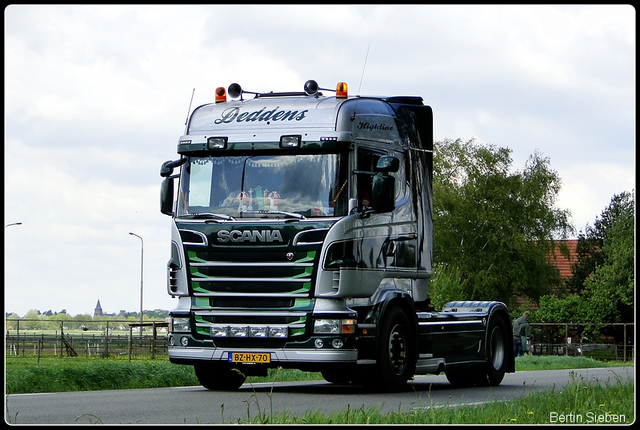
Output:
(269, 273)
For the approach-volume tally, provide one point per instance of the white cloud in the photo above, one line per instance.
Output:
(589, 187)
(96, 98)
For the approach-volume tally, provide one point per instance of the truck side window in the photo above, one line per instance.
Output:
(367, 160)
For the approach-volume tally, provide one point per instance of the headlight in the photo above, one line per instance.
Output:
(334, 326)
(180, 325)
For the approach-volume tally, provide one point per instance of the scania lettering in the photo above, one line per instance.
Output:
(301, 237)
(249, 235)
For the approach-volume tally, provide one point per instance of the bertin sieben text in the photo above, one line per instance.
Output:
(588, 418)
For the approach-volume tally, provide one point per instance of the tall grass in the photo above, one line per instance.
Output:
(580, 402)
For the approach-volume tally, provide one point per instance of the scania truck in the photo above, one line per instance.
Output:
(301, 237)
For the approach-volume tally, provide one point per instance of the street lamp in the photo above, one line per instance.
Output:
(141, 272)
(13, 223)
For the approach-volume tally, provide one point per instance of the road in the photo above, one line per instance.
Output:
(196, 405)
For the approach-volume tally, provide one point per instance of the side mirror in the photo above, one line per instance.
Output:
(166, 196)
(388, 164)
(167, 167)
(383, 190)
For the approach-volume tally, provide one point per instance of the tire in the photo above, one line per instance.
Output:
(497, 353)
(462, 377)
(337, 376)
(219, 378)
(492, 373)
(396, 358)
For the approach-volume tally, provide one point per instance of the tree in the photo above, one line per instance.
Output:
(602, 284)
(494, 229)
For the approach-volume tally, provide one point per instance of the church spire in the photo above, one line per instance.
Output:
(98, 309)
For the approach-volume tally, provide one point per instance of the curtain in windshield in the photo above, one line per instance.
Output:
(308, 185)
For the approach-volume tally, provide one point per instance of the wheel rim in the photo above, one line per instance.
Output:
(497, 348)
(397, 349)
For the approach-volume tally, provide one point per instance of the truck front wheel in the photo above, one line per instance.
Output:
(219, 377)
(396, 355)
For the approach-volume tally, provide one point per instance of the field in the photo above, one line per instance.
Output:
(616, 401)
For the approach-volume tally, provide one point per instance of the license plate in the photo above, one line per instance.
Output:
(249, 357)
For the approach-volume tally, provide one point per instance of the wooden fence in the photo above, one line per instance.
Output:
(134, 342)
(613, 341)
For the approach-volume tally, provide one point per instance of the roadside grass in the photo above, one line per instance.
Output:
(54, 375)
(26, 375)
(580, 402)
(546, 362)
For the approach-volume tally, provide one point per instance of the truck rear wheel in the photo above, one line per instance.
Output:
(396, 356)
(492, 373)
(218, 377)
(496, 353)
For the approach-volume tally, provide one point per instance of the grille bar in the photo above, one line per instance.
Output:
(229, 279)
(248, 264)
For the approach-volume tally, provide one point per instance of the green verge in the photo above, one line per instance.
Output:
(26, 375)
(577, 403)
(580, 402)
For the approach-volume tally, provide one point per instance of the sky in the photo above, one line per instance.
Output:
(96, 98)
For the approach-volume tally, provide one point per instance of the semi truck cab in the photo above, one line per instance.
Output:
(301, 237)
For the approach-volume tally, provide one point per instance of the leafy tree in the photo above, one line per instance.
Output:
(602, 285)
(493, 228)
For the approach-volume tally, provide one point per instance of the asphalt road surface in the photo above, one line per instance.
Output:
(196, 405)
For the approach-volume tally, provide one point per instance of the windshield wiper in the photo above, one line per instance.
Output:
(286, 214)
(209, 215)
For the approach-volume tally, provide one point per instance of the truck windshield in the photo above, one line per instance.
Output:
(300, 186)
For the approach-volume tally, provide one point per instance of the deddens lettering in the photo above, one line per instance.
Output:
(233, 114)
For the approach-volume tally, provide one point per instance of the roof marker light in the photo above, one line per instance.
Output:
(341, 90)
(221, 95)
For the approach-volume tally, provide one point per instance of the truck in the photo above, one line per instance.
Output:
(301, 237)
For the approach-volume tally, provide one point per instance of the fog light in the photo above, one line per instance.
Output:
(318, 343)
(218, 331)
(258, 331)
(279, 332)
(238, 331)
(337, 343)
(184, 341)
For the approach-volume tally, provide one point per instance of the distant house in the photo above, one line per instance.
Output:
(561, 262)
